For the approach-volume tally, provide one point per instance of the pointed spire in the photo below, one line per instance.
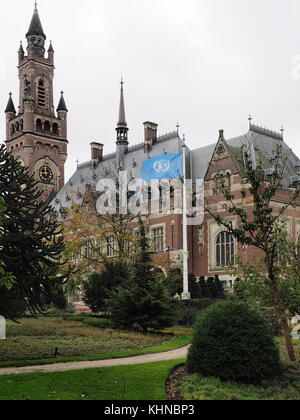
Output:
(50, 50)
(21, 49)
(35, 27)
(10, 105)
(62, 104)
(122, 117)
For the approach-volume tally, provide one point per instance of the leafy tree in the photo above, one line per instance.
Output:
(261, 228)
(30, 243)
(93, 239)
(143, 301)
(98, 287)
(253, 283)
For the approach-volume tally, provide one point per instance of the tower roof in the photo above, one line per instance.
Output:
(51, 49)
(35, 27)
(10, 105)
(62, 104)
(122, 117)
(21, 49)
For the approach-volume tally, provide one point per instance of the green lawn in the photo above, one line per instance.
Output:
(33, 342)
(141, 382)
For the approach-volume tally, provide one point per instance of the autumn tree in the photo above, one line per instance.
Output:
(93, 239)
(260, 228)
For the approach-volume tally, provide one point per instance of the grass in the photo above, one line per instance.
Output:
(197, 387)
(140, 382)
(33, 342)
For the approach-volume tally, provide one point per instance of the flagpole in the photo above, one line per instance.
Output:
(185, 295)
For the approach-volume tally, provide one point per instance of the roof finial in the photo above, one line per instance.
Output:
(177, 126)
(35, 6)
(282, 130)
(250, 120)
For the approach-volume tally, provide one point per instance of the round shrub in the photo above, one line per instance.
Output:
(232, 341)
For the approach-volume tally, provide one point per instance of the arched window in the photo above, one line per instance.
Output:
(47, 126)
(12, 130)
(55, 128)
(41, 93)
(21, 125)
(39, 125)
(225, 249)
(17, 126)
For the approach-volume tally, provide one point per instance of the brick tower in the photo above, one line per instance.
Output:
(35, 134)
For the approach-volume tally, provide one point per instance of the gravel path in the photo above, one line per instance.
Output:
(180, 353)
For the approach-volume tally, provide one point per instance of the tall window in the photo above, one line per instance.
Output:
(111, 246)
(158, 239)
(225, 250)
(41, 93)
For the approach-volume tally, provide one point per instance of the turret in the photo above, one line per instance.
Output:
(10, 110)
(21, 53)
(51, 53)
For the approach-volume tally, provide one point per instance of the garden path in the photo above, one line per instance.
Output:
(180, 353)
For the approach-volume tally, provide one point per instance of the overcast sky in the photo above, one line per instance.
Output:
(207, 64)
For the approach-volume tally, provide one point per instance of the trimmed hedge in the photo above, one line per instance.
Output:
(232, 341)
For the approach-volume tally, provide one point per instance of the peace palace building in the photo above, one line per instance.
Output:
(37, 135)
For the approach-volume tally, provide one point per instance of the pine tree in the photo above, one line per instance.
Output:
(143, 301)
(98, 286)
(30, 242)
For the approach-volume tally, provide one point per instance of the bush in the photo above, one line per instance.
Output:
(232, 341)
(190, 310)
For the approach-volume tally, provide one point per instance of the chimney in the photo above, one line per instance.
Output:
(96, 152)
(150, 132)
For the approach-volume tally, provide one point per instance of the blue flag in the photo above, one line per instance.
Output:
(163, 167)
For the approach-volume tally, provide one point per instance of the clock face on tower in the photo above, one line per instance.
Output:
(46, 174)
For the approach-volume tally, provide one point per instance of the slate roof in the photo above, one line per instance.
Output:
(74, 190)
(10, 105)
(263, 143)
(62, 104)
(122, 117)
(35, 27)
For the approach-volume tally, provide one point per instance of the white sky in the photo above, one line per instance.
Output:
(205, 63)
